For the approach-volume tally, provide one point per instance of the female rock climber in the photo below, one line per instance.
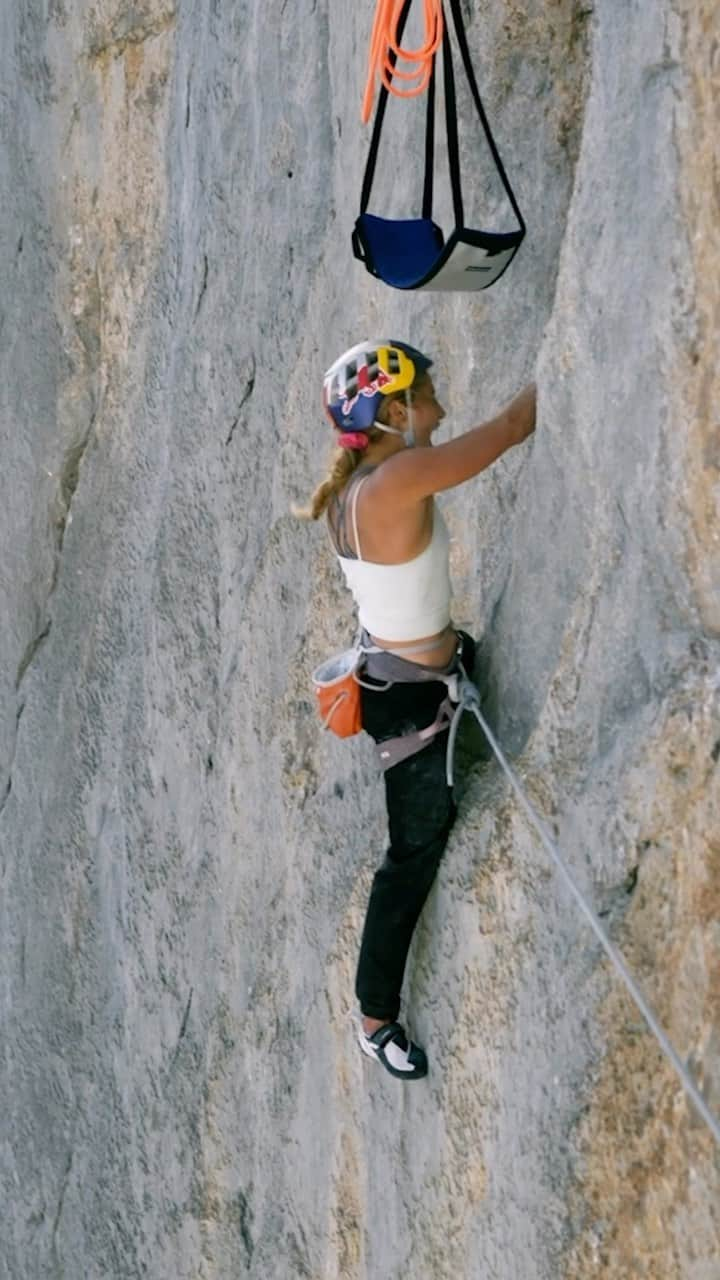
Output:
(392, 544)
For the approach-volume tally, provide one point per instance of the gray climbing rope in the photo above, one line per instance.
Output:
(469, 700)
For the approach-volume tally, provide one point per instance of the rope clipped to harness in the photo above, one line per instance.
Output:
(469, 700)
(413, 253)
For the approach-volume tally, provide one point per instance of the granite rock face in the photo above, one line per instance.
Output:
(184, 858)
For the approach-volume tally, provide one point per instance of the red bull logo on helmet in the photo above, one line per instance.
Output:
(366, 386)
(358, 380)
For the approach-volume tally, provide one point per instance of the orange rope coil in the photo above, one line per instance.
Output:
(384, 42)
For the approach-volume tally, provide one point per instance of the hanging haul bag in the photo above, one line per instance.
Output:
(338, 693)
(413, 253)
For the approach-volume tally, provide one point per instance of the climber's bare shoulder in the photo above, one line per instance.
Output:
(392, 532)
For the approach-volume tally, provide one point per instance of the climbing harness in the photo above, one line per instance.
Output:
(390, 667)
(338, 681)
(413, 253)
(468, 699)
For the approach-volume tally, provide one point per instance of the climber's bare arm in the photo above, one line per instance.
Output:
(414, 474)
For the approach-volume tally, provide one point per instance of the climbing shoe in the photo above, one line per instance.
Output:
(390, 1046)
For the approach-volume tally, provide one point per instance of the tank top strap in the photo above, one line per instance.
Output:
(353, 512)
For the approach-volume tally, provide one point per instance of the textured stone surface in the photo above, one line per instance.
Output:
(184, 859)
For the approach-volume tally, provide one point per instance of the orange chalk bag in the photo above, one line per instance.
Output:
(338, 693)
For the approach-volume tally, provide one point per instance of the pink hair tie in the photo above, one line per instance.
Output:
(353, 440)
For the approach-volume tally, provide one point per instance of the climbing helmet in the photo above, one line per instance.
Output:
(354, 386)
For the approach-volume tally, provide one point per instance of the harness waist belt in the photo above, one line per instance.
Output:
(381, 664)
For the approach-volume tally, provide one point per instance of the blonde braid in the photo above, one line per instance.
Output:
(342, 464)
(344, 461)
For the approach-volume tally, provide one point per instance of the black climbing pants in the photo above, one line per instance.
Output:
(421, 813)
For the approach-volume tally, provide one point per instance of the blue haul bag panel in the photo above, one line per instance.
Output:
(412, 253)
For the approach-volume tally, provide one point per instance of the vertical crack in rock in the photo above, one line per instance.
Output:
(27, 659)
(69, 478)
(186, 1015)
(87, 325)
(61, 1203)
(29, 654)
(8, 785)
(203, 285)
(68, 484)
(244, 1213)
(183, 1028)
(249, 388)
(6, 794)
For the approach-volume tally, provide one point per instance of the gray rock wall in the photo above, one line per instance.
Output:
(184, 858)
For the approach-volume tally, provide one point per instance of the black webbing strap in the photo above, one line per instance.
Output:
(379, 118)
(465, 55)
(451, 127)
(450, 122)
(429, 146)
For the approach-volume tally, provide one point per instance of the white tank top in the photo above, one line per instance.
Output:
(402, 601)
